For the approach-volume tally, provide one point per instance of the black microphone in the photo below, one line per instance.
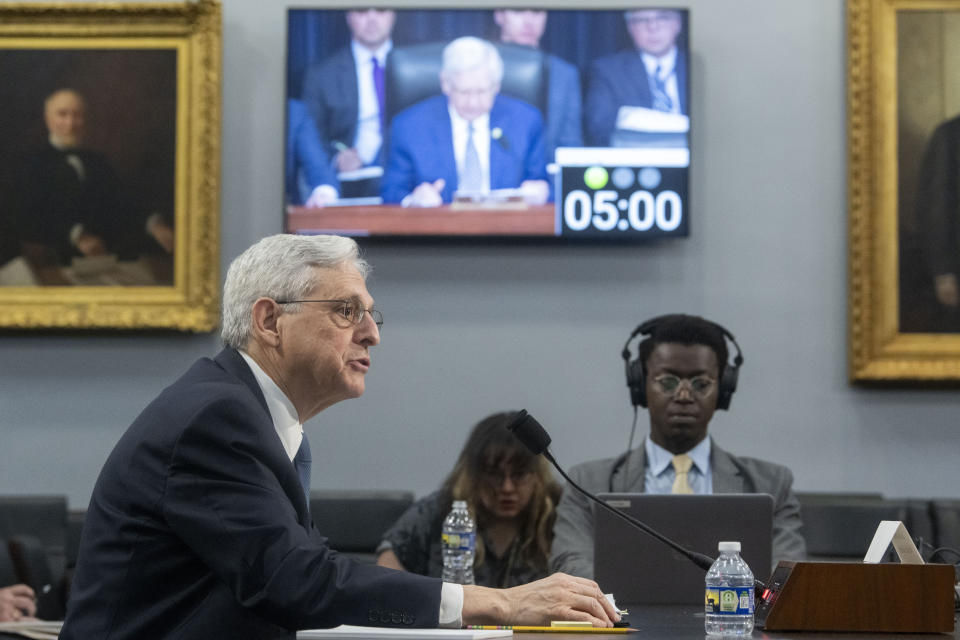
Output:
(532, 434)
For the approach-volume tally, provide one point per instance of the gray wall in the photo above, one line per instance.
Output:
(475, 329)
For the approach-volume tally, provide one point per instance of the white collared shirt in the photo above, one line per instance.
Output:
(481, 140)
(668, 73)
(287, 423)
(369, 136)
(660, 474)
(282, 412)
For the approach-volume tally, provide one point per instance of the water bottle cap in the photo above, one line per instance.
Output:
(729, 546)
(462, 504)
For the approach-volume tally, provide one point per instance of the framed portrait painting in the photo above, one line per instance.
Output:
(109, 165)
(904, 189)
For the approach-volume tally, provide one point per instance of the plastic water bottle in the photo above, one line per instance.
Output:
(729, 594)
(459, 543)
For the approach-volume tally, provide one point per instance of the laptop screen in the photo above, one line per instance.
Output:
(638, 569)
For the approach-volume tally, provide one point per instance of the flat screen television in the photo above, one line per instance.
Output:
(487, 122)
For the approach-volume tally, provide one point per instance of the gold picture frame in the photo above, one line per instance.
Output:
(148, 78)
(901, 62)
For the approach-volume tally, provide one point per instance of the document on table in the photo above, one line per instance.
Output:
(38, 629)
(349, 632)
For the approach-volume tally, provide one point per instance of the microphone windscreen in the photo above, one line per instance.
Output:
(530, 432)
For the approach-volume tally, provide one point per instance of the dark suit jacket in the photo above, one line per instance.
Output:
(421, 147)
(938, 199)
(572, 550)
(50, 198)
(564, 107)
(621, 79)
(331, 94)
(198, 528)
(306, 160)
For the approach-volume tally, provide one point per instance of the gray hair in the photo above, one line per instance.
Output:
(468, 54)
(279, 267)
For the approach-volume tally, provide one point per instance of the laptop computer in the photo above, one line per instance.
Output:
(639, 569)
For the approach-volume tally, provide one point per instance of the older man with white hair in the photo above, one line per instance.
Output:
(68, 200)
(199, 524)
(470, 139)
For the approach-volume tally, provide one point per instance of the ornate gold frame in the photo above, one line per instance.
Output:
(878, 349)
(193, 30)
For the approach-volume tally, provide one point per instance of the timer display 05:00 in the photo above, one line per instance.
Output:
(644, 211)
(623, 201)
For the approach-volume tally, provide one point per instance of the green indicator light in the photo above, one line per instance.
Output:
(595, 177)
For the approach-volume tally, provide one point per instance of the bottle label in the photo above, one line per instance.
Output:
(459, 541)
(729, 600)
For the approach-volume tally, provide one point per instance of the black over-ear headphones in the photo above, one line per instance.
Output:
(636, 380)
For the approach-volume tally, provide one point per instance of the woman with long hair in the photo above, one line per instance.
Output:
(511, 495)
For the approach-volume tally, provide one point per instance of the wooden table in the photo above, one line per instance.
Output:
(682, 622)
(426, 221)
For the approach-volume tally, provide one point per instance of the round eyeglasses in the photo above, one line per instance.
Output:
(671, 384)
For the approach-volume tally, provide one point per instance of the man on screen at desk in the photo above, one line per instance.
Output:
(199, 524)
(525, 27)
(653, 76)
(470, 139)
(681, 375)
(345, 93)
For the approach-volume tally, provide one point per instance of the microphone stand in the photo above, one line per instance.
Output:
(532, 434)
(700, 559)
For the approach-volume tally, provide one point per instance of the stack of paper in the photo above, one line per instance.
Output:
(38, 629)
(348, 632)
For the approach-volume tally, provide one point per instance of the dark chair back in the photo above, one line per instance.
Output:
(354, 521)
(946, 523)
(75, 518)
(8, 574)
(35, 530)
(413, 74)
(841, 526)
(42, 516)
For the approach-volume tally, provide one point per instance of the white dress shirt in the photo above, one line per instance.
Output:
(287, 423)
(668, 73)
(660, 474)
(369, 136)
(481, 140)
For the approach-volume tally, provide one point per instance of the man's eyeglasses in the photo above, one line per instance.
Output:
(495, 476)
(671, 384)
(349, 309)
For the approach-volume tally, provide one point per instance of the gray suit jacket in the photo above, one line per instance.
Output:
(572, 550)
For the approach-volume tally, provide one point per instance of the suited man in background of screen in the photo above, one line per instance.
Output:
(652, 75)
(525, 27)
(199, 523)
(344, 92)
(471, 138)
(309, 177)
(683, 360)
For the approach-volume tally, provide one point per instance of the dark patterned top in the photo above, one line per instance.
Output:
(415, 539)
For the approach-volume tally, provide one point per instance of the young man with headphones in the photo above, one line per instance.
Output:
(681, 376)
